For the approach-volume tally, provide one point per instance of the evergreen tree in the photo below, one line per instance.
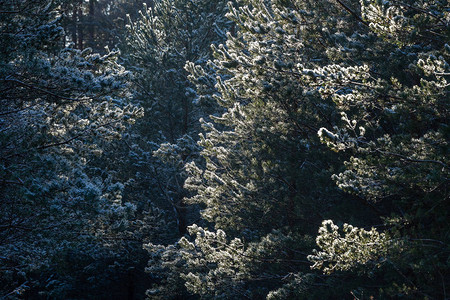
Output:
(393, 95)
(265, 182)
(59, 107)
(376, 75)
(159, 43)
(98, 24)
(313, 114)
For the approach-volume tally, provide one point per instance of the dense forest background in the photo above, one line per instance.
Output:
(199, 149)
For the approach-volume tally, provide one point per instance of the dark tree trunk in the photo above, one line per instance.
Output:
(91, 27)
(130, 287)
(185, 115)
(80, 28)
(74, 26)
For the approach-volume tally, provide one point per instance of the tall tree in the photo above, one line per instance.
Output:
(59, 107)
(159, 43)
(263, 161)
(98, 23)
(294, 69)
(393, 94)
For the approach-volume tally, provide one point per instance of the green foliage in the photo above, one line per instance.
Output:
(378, 82)
(394, 111)
(166, 35)
(313, 114)
(356, 247)
(262, 160)
(159, 43)
(59, 107)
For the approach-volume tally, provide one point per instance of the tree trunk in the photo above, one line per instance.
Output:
(80, 28)
(74, 26)
(91, 27)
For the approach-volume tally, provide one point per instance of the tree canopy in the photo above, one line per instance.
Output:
(255, 149)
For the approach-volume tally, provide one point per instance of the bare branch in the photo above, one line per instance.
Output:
(39, 89)
(352, 13)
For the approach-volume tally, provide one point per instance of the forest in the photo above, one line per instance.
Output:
(212, 149)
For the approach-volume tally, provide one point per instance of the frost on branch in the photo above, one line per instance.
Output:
(349, 249)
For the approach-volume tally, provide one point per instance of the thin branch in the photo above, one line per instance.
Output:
(17, 110)
(60, 143)
(352, 13)
(413, 159)
(39, 89)
(422, 11)
(12, 182)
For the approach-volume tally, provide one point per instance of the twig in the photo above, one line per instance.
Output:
(39, 89)
(352, 13)
(413, 159)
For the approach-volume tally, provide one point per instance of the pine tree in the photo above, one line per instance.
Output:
(98, 24)
(59, 107)
(159, 43)
(393, 95)
(375, 75)
(265, 182)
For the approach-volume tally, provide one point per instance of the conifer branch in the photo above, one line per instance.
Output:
(406, 158)
(39, 89)
(352, 12)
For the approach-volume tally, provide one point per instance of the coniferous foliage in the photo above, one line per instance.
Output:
(394, 104)
(376, 76)
(59, 106)
(98, 24)
(167, 35)
(262, 162)
(159, 43)
(256, 149)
